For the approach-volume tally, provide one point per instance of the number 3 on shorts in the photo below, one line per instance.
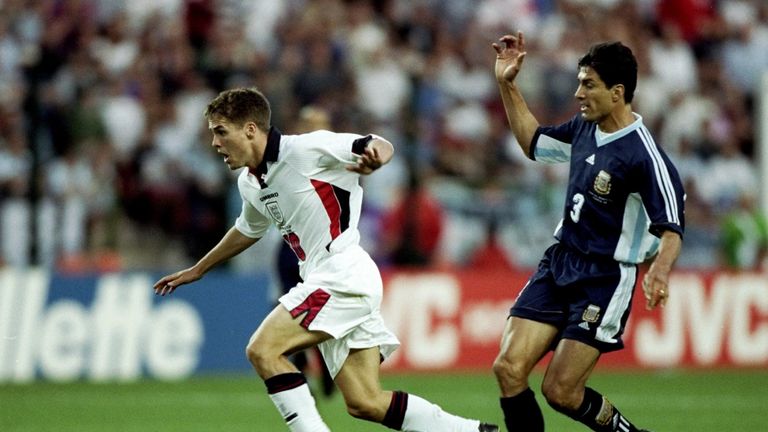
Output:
(578, 203)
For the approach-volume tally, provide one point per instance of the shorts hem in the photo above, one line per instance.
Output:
(553, 318)
(603, 347)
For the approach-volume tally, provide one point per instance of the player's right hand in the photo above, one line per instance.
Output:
(168, 284)
(655, 288)
(510, 53)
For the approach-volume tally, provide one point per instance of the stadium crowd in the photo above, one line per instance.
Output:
(103, 155)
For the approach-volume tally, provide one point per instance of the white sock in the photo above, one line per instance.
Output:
(424, 416)
(297, 406)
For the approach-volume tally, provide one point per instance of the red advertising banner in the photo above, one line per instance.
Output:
(454, 320)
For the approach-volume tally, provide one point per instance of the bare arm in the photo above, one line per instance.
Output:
(377, 153)
(656, 281)
(230, 245)
(510, 53)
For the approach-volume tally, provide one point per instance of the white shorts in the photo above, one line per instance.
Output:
(342, 297)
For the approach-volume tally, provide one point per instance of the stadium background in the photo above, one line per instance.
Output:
(106, 183)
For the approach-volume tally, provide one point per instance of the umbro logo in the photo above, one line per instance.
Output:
(268, 196)
(591, 159)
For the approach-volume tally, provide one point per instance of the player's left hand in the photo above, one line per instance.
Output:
(367, 162)
(168, 284)
(655, 288)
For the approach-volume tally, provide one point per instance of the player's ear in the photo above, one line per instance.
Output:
(250, 130)
(617, 92)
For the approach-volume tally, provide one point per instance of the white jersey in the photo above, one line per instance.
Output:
(303, 187)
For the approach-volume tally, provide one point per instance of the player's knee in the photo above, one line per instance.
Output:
(512, 374)
(561, 397)
(256, 356)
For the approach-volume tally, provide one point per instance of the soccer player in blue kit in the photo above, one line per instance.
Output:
(624, 205)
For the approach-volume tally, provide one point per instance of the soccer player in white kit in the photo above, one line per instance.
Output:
(307, 186)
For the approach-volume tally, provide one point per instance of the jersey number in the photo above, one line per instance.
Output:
(293, 241)
(578, 203)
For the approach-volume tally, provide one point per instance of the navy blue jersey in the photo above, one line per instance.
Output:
(623, 191)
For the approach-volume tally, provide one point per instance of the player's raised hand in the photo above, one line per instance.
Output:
(510, 53)
(168, 284)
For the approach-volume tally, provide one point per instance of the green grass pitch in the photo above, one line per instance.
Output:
(672, 401)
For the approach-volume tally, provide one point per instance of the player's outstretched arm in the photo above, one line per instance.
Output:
(230, 245)
(377, 153)
(510, 53)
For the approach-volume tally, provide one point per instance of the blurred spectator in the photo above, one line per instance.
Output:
(199, 18)
(412, 229)
(694, 19)
(124, 118)
(117, 89)
(382, 83)
(68, 187)
(673, 62)
(116, 49)
(499, 14)
(206, 201)
(686, 118)
(744, 242)
(15, 205)
(104, 218)
(10, 51)
(744, 54)
(727, 175)
(323, 74)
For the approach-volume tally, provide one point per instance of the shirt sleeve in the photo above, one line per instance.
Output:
(335, 150)
(250, 222)
(552, 144)
(662, 192)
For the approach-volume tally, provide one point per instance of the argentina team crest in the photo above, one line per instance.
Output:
(602, 183)
(591, 314)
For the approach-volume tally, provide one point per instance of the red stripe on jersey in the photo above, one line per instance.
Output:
(331, 204)
(312, 305)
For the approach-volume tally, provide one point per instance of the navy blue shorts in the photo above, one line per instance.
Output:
(587, 298)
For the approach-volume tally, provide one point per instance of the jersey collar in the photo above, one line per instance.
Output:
(271, 151)
(602, 139)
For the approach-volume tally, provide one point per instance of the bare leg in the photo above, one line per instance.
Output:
(523, 344)
(278, 336)
(358, 381)
(565, 389)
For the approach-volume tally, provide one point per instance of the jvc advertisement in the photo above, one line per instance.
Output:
(111, 327)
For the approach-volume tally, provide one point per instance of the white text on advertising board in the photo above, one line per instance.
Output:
(114, 338)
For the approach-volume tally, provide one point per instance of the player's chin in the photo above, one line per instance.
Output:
(232, 165)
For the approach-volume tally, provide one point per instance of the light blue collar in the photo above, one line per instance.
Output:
(603, 139)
